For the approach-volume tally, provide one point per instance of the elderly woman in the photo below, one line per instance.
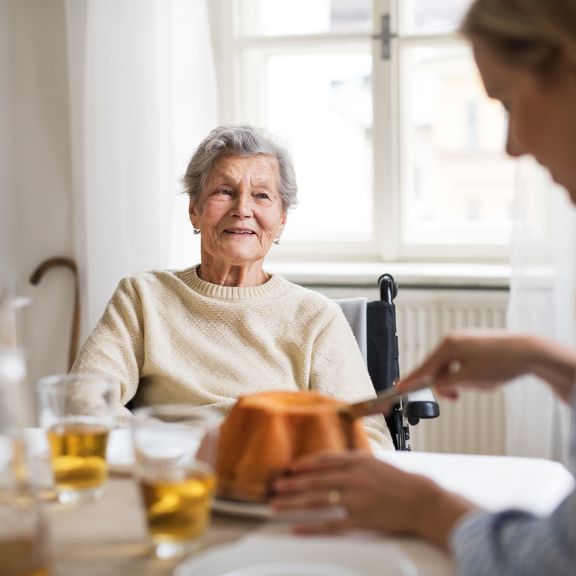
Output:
(211, 333)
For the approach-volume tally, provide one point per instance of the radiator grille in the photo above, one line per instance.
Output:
(475, 423)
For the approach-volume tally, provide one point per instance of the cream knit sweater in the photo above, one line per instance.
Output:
(170, 337)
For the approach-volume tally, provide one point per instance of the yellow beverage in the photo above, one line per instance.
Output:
(78, 455)
(22, 557)
(178, 510)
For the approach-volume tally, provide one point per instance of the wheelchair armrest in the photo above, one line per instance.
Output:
(420, 404)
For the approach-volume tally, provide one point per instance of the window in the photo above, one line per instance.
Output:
(398, 153)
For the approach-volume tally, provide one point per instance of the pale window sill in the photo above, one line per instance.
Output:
(425, 275)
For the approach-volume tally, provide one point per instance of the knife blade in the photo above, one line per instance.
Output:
(381, 403)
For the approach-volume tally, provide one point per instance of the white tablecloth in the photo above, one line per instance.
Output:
(492, 482)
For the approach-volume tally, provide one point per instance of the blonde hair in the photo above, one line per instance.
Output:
(532, 34)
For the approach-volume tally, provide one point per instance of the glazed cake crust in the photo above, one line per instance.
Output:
(265, 432)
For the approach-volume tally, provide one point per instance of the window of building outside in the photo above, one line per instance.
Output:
(399, 154)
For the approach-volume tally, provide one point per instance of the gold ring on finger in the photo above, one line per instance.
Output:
(334, 497)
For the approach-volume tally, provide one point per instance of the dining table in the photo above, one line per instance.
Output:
(107, 537)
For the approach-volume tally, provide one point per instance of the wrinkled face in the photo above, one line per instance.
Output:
(239, 212)
(541, 109)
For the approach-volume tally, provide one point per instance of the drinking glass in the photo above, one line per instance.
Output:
(77, 411)
(175, 449)
(23, 533)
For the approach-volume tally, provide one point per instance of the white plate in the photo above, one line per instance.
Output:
(245, 509)
(291, 556)
(265, 512)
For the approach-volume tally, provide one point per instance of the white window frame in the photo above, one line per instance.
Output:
(387, 245)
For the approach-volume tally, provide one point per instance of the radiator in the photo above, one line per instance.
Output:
(474, 424)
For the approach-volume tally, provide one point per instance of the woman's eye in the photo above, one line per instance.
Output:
(263, 196)
(224, 191)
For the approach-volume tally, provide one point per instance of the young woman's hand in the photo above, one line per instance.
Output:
(373, 494)
(473, 360)
(485, 360)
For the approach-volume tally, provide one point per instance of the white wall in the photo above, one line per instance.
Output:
(6, 173)
(35, 195)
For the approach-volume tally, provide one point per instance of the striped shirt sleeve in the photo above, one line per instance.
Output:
(516, 543)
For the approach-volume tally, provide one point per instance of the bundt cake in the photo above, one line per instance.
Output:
(264, 432)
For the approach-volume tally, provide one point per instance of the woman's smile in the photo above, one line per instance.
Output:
(242, 232)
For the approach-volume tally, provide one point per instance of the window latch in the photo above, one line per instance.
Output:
(385, 37)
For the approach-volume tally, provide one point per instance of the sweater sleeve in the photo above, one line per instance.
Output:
(115, 346)
(338, 370)
(515, 543)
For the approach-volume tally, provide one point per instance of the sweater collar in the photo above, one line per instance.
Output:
(273, 287)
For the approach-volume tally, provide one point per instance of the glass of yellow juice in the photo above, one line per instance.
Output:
(174, 447)
(77, 412)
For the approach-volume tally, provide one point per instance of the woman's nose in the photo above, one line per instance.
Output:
(243, 205)
(513, 147)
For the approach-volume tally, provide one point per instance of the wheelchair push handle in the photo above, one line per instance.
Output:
(388, 288)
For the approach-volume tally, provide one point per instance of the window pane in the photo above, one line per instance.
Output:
(322, 104)
(432, 16)
(286, 17)
(457, 179)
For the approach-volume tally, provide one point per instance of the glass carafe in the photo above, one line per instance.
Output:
(24, 549)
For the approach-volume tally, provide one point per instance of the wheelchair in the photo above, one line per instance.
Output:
(382, 354)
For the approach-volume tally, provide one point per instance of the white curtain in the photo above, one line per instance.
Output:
(542, 301)
(142, 95)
